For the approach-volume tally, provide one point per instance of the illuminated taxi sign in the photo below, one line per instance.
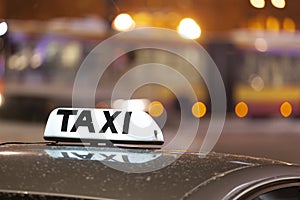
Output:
(101, 125)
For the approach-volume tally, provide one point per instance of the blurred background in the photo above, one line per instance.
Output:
(254, 43)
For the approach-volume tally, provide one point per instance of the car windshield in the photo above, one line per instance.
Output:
(215, 75)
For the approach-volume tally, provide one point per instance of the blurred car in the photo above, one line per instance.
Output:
(63, 169)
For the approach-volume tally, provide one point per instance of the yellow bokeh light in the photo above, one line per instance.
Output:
(272, 24)
(143, 19)
(289, 24)
(159, 19)
(175, 18)
(278, 3)
(188, 28)
(256, 24)
(155, 109)
(123, 22)
(199, 109)
(258, 3)
(286, 109)
(241, 109)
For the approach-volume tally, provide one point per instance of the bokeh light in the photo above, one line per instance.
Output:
(142, 19)
(260, 44)
(241, 109)
(71, 54)
(188, 28)
(289, 25)
(278, 3)
(256, 82)
(36, 60)
(123, 22)
(258, 3)
(272, 24)
(286, 109)
(155, 109)
(199, 109)
(1, 100)
(3, 28)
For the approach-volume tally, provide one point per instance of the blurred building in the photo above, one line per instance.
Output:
(254, 43)
(214, 16)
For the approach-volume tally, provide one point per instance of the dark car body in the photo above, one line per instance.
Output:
(53, 171)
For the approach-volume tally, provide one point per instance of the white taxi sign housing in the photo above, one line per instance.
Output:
(102, 125)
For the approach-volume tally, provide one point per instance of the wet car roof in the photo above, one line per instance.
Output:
(32, 168)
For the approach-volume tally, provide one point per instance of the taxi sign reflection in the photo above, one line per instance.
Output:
(105, 155)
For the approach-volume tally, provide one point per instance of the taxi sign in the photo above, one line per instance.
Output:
(102, 125)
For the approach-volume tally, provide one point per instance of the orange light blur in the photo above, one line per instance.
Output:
(199, 109)
(155, 109)
(272, 24)
(241, 109)
(289, 25)
(142, 19)
(286, 109)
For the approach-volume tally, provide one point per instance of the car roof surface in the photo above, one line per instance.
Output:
(42, 168)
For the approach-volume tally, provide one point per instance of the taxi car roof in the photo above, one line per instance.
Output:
(29, 168)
